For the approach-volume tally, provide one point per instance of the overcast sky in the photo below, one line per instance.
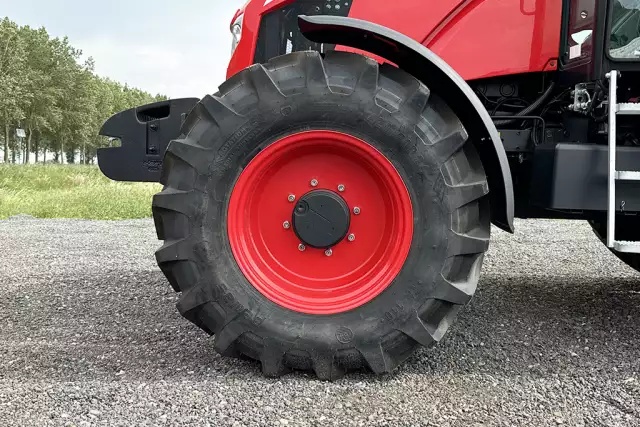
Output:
(180, 48)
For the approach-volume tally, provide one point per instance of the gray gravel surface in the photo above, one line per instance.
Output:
(90, 336)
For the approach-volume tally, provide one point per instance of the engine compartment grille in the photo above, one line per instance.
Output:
(279, 33)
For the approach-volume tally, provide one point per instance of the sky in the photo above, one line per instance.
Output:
(179, 48)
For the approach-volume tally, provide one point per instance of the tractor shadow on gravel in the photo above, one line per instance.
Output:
(540, 324)
(515, 325)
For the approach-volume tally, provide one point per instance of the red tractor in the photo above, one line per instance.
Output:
(330, 206)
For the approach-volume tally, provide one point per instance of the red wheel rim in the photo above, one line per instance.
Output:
(309, 281)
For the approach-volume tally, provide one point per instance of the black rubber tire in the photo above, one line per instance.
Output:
(627, 228)
(349, 93)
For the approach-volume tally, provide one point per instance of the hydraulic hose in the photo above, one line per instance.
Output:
(525, 112)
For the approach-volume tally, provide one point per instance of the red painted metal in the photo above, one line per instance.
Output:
(488, 38)
(478, 38)
(242, 57)
(309, 281)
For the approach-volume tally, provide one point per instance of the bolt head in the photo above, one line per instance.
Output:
(314, 182)
(301, 247)
(286, 225)
(584, 14)
(341, 188)
(291, 198)
(356, 210)
(328, 252)
(351, 237)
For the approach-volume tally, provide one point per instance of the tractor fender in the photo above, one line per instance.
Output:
(429, 68)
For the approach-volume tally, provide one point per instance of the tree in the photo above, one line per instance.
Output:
(60, 102)
(40, 105)
(13, 81)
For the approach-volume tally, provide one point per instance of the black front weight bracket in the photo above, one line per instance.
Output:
(144, 134)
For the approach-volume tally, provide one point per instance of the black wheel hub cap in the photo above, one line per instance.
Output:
(321, 219)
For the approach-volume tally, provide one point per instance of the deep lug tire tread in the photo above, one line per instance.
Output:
(178, 209)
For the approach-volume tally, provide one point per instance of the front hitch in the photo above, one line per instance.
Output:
(144, 133)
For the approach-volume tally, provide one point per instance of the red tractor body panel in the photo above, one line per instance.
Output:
(478, 38)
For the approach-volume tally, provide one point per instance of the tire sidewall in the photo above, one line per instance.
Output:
(391, 133)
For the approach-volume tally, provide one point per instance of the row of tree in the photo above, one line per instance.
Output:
(59, 102)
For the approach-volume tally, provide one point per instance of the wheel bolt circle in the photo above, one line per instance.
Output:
(328, 252)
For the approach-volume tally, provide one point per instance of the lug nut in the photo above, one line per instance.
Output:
(328, 252)
(301, 247)
(314, 182)
(356, 210)
(351, 237)
(341, 188)
(286, 225)
(291, 198)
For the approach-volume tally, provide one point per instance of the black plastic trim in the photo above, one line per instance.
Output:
(573, 177)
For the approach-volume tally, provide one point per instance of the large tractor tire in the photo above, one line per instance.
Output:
(627, 229)
(322, 213)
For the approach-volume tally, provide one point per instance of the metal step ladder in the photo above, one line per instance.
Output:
(614, 175)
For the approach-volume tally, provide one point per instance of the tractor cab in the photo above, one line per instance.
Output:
(600, 36)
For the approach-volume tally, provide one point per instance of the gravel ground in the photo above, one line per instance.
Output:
(90, 336)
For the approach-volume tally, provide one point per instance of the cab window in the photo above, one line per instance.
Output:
(625, 30)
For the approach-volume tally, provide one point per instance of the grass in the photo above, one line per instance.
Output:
(71, 191)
